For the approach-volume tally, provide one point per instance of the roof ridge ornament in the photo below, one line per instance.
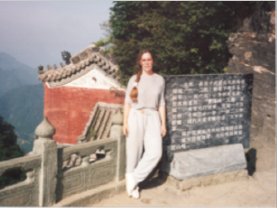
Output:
(66, 57)
(77, 65)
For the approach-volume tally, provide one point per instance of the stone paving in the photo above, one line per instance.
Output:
(254, 191)
(258, 190)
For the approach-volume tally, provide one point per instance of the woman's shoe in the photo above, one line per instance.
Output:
(130, 183)
(135, 193)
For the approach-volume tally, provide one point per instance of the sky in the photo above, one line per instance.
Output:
(35, 32)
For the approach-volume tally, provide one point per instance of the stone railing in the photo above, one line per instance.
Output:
(56, 173)
(25, 192)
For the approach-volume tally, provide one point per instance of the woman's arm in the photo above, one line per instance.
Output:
(125, 118)
(163, 120)
(127, 105)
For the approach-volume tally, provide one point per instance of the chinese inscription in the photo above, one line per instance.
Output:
(208, 110)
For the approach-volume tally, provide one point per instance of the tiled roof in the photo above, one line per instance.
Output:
(80, 64)
(100, 122)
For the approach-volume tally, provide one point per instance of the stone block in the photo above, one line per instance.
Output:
(207, 161)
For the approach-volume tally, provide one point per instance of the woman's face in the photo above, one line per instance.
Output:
(146, 62)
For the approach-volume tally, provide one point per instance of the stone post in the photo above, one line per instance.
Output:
(47, 148)
(116, 133)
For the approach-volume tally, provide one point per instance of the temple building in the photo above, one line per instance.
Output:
(71, 92)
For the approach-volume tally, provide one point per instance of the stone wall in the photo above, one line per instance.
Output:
(253, 51)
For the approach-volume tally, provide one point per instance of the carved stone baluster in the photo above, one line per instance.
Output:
(47, 148)
(116, 133)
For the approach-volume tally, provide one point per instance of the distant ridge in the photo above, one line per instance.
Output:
(23, 108)
(21, 98)
(14, 74)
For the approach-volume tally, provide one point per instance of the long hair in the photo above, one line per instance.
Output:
(134, 91)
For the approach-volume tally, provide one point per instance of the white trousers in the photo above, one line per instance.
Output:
(144, 133)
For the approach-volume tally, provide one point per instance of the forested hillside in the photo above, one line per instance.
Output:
(185, 37)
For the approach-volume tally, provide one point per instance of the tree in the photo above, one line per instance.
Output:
(8, 147)
(186, 37)
(8, 150)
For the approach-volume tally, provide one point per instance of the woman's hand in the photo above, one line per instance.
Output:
(163, 130)
(163, 120)
(125, 130)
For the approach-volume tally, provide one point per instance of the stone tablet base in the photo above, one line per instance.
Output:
(214, 179)
(206, 161)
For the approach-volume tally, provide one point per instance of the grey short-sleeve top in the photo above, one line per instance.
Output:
(150, 91)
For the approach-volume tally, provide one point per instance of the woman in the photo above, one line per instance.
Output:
(144, 122)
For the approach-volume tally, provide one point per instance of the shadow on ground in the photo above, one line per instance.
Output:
(156, 178)
(251, 158)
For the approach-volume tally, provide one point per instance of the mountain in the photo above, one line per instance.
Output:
(21, 98)
(23, 108)
(14, 74)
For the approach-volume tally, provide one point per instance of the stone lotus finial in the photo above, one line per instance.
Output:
(45, 129)
(117, 118)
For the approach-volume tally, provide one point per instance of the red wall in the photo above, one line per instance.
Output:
(68, 109)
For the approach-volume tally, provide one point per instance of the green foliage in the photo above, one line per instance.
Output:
(8, 147)
(8, 150)
(12, 176)
(185, 37)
